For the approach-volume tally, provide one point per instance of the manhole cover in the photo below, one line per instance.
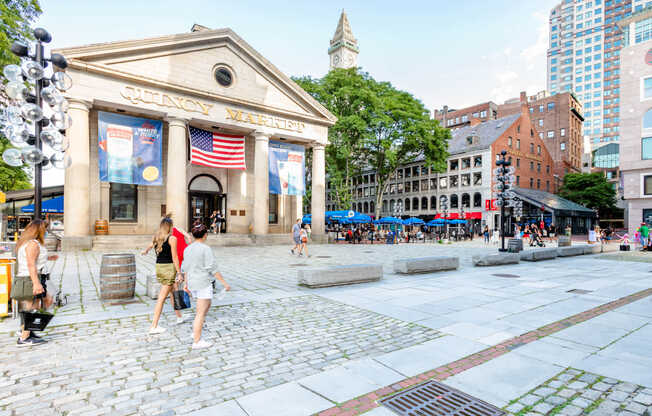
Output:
(579, 291)
(324, 257)
(297, 265)
(436, 399)
(505, 275)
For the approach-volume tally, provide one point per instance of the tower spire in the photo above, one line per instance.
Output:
(343, 50)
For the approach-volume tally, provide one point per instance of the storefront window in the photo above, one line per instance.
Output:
(647, 185)
(124, 202)
(273, 208)
(646, 148)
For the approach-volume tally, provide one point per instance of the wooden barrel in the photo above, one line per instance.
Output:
(101, 227)
(117, 276)
(51, 243)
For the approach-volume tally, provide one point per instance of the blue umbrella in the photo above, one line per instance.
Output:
(456, 221)
(436, 222)
(413, 221)
(307, 219)
(360, 219)
(391, 220)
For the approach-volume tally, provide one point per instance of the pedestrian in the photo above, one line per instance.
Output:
(308, 230)
(303, 237)
(485, 233)
(168, 269)
(296, 230)
(644, 233)
(29, 287)
(200, 269)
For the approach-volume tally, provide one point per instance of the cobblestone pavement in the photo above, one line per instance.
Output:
(575, 392)
(109, 367)
(274, 338)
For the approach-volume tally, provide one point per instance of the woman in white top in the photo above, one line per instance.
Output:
(200, 269)
(32, 258)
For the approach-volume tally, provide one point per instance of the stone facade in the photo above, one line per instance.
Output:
(172, 79)
(636, 126)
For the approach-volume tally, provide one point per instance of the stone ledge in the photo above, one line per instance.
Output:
(76, 243)
(426, 264)
(340, 275)
(495, 259)
(539, 254)
(570, 251)
(592, 248)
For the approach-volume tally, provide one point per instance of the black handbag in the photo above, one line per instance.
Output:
(181, 299)
(37, 321)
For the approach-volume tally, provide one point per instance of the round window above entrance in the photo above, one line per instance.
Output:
(205, 183)
(224, 76)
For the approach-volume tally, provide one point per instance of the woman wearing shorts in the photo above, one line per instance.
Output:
(200, 268)
(167, 269)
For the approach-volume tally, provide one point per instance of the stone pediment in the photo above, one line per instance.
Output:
(187, 62)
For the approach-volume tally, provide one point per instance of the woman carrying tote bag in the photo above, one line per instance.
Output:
(29, 286)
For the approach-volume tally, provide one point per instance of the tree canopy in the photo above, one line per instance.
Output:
(16, 17)
(379, 129)
(589, 189)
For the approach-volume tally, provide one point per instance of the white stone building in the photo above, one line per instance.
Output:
(209, 79)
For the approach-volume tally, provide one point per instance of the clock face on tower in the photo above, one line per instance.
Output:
(348, 59)
(336, 59)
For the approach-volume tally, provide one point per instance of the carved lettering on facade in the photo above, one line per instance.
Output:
(264, 120)
(137, 95)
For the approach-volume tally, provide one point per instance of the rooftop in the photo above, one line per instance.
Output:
(486, 132)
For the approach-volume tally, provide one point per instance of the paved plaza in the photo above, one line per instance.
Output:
(568, 336)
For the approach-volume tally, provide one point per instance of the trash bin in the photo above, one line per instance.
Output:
(515, 245)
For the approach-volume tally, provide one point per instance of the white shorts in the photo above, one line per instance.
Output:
(206, 293)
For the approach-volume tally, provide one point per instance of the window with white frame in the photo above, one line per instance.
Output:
(562, 133)
(551, 134)
(647, 88)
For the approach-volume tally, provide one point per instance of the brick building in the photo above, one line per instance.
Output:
(459, 118)
(558, 119)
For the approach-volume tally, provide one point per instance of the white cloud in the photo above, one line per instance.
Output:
(533, 53)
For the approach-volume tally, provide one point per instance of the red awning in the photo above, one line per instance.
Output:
(453, 216)
(473, 215)
(439, 216)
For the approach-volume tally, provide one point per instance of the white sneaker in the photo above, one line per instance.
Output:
(180, 319)
(201, 344)
(157, 330)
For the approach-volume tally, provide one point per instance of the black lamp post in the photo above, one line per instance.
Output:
(25, 124)
(443, 204)
(504, 180)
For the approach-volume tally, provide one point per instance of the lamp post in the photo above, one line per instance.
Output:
(398, 211)
(505, 180)
(24, 121)
(443, 204)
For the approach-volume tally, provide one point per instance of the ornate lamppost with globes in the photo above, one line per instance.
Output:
(398, 212)
(504, 182)
(443, 205)
(36, 113)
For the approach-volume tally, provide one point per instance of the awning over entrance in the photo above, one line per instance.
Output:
(553, 203)
(50, 206)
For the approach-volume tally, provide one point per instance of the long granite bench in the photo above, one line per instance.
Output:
(340, 275)
(495, 259)
(426, 264)
(577, 250)
(592, 248)
(539, 254)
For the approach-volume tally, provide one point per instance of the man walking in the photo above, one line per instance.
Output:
(296, 236)
(644, 232)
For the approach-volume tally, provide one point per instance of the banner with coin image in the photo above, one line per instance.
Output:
(129, 149)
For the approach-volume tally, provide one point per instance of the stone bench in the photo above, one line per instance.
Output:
(539, 254)
(577, 250)
(495, 259)
(592, 248)
(426, 264)
(563, 241)
(340, 275)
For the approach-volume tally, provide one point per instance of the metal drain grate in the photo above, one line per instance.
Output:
(298, 265)
(579, 291)
(505, 275)
(324, 257)
(436, 399)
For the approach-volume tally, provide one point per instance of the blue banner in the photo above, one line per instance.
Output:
(129, 149)
(287, 169)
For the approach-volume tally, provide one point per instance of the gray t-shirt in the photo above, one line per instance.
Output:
(200, 266)
(296, 229)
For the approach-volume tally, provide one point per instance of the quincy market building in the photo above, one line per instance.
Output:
(134, 105)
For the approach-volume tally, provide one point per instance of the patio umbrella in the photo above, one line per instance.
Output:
(360, 219)
(307, 219)
(456, 221)
(436, 222)
(413, 221)
(390, 220)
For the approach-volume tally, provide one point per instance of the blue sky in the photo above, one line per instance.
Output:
(459, 52)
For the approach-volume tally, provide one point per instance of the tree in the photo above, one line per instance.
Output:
(589, 189)
(379, 128)
(16, 17)
(345, 93)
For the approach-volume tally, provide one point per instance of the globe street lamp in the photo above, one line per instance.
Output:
(398, 211)
(24, 121)
(443, 204)
(505, 181)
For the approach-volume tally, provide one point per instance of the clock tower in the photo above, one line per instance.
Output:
(343, 51)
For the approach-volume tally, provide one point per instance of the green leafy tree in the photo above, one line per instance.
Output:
(589, 189)
(379, 128)
(16, 17)
(345, 93)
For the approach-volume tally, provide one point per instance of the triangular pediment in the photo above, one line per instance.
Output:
(188, 61)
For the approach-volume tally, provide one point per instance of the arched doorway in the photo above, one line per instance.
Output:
(205, 195)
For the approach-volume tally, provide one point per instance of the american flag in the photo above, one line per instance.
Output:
(217, 150)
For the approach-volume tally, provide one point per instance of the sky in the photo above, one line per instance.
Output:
(456, 53)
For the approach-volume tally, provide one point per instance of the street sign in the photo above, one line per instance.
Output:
(3, 197)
